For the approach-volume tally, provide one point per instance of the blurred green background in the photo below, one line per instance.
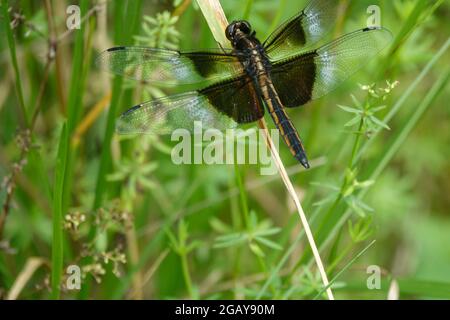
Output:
(140, 227)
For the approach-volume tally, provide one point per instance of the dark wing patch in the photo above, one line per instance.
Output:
(170, 68)
(294, 80)
(312, 75)
(303, 30)
(222, 106)
(237, 99)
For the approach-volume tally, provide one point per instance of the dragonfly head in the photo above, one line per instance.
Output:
(238, 27)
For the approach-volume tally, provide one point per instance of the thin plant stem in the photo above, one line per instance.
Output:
(352, 261)
(301, 213)
(217, 22)
(32, 265)
(216, 19)
(343, 253)
(187, 275)
(38, 106)
(356, 145)
(53, 45)
(133, 251)
(351, 164)
(242, 195)
(181, 8)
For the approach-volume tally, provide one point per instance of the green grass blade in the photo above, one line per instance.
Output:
(123, 35)
(126, 17)
(409, 25)
(348, 265)
(105, 159)
(409, 288)
(422, 10)
(58, 192)
(75, 99)
(12, 50)
(424, 288)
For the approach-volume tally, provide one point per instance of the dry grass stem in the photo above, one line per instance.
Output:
(217, 22)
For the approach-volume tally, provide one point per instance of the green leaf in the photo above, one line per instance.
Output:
(353, 122)
(377, 109)
(356, 102)
(268, 243)
(379, 122)
(256, 250)
(268, 232)
(325, 200)
(230, 241)
(349, 109)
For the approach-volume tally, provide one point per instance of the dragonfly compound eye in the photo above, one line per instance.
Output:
(245, 27)
(231, 31)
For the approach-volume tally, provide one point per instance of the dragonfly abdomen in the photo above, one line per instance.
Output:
(284, 124)
(290, 136)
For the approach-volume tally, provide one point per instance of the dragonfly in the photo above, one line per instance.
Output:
(238, 85)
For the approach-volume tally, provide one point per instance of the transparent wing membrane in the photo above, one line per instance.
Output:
(302, 31)
(168, 67)
(163, 116)
(313, 74)
(219, 107)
